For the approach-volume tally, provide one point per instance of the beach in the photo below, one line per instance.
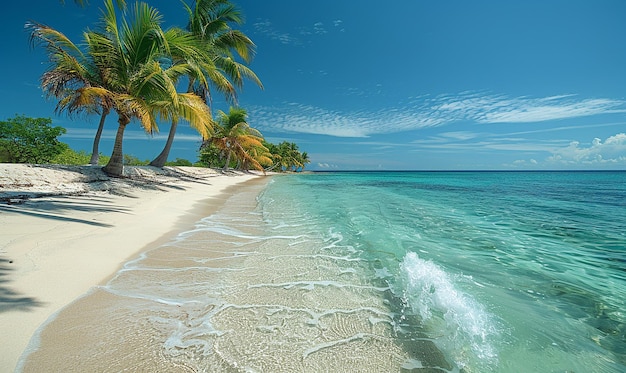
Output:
(347, 271)
(64, 230)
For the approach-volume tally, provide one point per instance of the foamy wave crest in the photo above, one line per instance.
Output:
(459, 324)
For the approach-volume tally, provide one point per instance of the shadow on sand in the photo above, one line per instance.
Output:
(9, 299)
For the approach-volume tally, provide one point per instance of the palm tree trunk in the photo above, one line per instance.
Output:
(95, 155)
(160, 160)
(227, 161)
(115, 167)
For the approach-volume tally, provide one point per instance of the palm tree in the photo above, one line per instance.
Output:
(144, 89)
(259, 156)
(106, 107)
(209, 22)
(235, 138)
(290, 158)
(133, 82)
(72, 69)
(304, 159)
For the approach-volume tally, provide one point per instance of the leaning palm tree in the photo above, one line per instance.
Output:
(235, 138)
(210, 23)
(135, 84)
(304, 160)
(289, 156)
(259, 156)
(143, 88)
(71, 68)
(122, 72)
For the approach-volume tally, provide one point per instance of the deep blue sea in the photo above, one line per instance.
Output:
(456, 272)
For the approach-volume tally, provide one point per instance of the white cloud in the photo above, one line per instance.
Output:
(539, 110)
(503, 109)
(319, 29)
(612, 150)
(460, 135)
(327, 165)
(426, 111)
(267, 28)
(109, 134)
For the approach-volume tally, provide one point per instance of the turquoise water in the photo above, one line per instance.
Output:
(456, 272)
(503, 271)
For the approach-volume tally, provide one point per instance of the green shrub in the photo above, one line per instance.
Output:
(131, 160)
(71, 157)
(30, 140)
(179, 162)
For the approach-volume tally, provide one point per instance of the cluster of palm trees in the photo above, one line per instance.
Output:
(133, 67)
(236, 144)
(287, 157)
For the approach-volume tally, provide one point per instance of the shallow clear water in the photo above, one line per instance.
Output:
(456, 272)
(503, 271)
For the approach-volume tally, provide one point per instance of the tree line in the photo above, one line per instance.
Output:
(35, 140)
(129, 65)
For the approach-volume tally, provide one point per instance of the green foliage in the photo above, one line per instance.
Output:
(211, 156)
(30, 140)
(179, 162)
(72, 157)
(131, 160)
(287, 157)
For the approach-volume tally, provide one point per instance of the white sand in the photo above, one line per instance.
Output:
(79, 230)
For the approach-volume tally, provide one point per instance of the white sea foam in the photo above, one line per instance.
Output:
(461, 325)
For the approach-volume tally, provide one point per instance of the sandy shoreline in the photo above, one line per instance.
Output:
(64, 230)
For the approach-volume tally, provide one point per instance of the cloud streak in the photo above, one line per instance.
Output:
(267, 28)
(556, 153)
(83, 133)
(424, 112)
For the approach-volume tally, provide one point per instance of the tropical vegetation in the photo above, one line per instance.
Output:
(29, 140)
(210, 24)
(129, 65)
(236, 141)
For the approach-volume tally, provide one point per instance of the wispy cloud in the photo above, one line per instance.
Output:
(327, 166)
(319, 29)
(266, 28)
(339, 25)
(85, 133)
(426, 111)
(544, 153)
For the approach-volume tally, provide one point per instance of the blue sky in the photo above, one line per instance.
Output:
(403, 84)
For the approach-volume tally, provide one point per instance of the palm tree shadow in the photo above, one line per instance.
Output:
(9, 299)
(62, 208)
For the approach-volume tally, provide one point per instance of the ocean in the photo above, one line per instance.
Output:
(373, 272)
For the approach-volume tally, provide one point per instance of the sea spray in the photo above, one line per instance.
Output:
(460, 325)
